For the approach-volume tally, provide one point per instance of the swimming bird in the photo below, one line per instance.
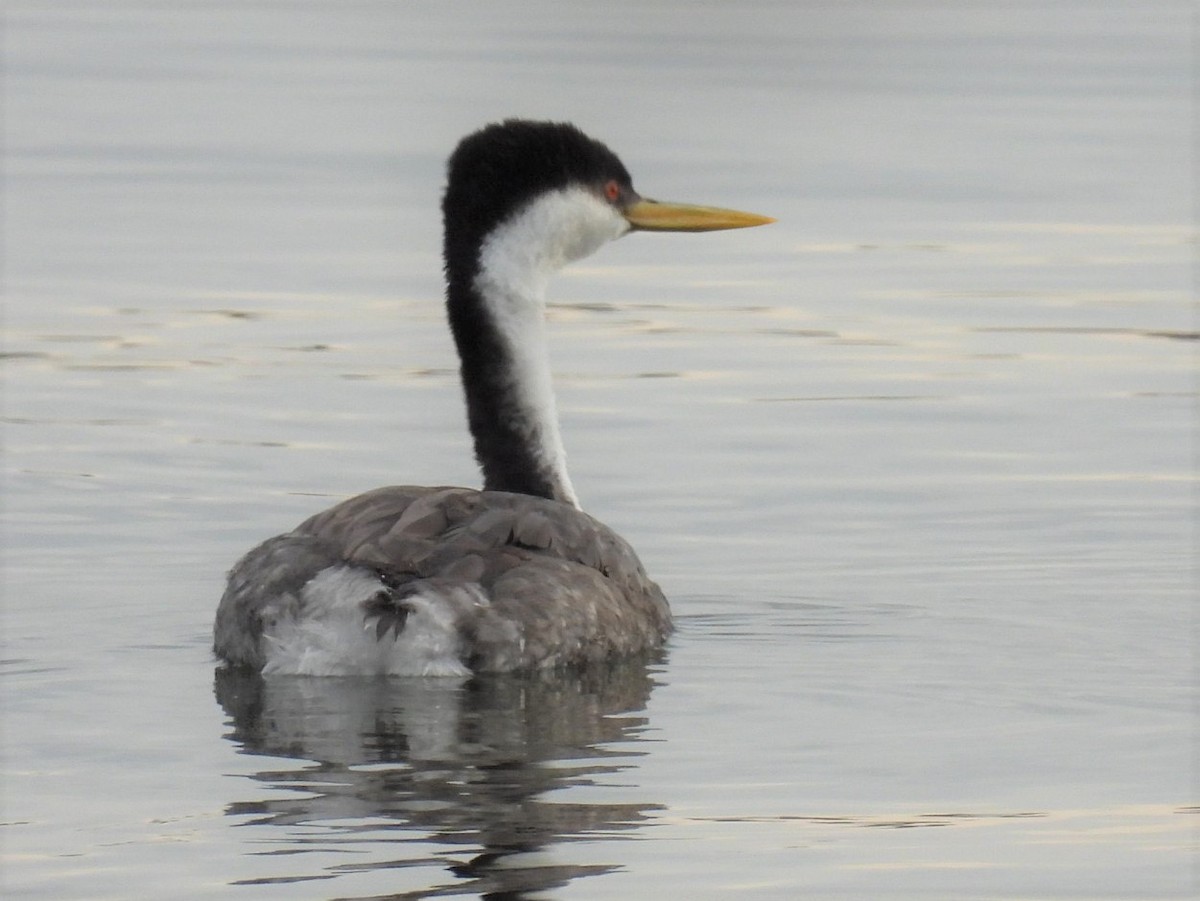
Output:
(449, 581)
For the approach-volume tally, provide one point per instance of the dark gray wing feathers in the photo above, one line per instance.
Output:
(562, 587)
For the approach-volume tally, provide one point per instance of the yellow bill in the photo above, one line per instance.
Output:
(650, 215)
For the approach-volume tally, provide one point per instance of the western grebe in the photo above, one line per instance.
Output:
(448, 581)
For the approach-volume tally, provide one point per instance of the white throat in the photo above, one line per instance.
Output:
(515, 263)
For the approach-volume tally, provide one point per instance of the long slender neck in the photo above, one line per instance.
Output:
(496, 282)
(497, 315)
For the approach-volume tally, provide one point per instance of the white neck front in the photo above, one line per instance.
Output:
(520, 319)
(515, 264)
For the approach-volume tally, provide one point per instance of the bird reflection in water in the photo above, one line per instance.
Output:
(461, 765)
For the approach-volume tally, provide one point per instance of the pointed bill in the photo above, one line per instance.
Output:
(650, 215)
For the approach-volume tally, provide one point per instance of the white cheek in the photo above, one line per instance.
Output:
(548, 233)
(584, 235)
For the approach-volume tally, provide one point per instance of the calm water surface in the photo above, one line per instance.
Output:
(913, 464)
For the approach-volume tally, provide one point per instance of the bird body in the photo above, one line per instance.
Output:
(448, 581)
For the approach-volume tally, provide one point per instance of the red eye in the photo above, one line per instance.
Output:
(612, 191)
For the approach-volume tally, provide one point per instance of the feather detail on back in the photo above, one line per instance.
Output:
(439, 581)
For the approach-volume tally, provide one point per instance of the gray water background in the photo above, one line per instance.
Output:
(915, 465)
